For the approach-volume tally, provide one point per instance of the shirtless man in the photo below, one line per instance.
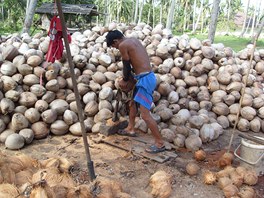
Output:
(133, 53)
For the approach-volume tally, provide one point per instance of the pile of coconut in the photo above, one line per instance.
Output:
(23, 176)
(234, 181)
(199, 86)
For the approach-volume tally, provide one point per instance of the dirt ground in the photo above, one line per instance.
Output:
(134, 171)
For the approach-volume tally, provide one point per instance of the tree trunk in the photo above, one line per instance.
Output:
(171, 14)
(106, 11)
(140, 11)
(228, 15)
(194, 13)
(185, 16)
(153, 14)
(161, 7)
(136, 11)
(213, 22)
(149, 12)
(198, 18)
(254, 21)
(29, 16)
(250, 21)
(245, 21)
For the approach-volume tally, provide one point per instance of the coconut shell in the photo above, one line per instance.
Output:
(223, 182)
(40, 130)
(236, 179)
(225, 160)
(247, 192)
(230, 191)
(200, 155)
(250, 177)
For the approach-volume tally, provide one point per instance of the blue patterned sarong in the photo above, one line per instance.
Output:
(146, 84)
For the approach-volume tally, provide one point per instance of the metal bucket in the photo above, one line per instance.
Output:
(251, 155)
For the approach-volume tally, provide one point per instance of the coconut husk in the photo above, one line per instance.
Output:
(200, 155)
(53, 178)
(14, 163)
(43, 190)
(161, 184)
(230, 191)
(209, 177)
(82, 191)
(23, 177)
(27, 161)
(223, 182)
(226, 172)
(8, 174)
(8, 191)
(247, 192)
(102, 188)
(250, 177)
(51, 162)
(225, 160)
(65, 165)
(60, 191)
(236, 179)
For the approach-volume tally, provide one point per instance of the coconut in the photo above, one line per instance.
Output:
(250, 177)
(59, 105)
(209, 177)
(192, 168)
(19, 121)
(14, 141)
(225, 160)
(59, 127)
(27, 134)
(179, 140)
(5, 134)
(40, 129)
(223, 182)
(160, 182)
(193, 142)
(230, 190)
(237, 179)
(200, 155)
(247, 192)
(27, 99)
(6, 106)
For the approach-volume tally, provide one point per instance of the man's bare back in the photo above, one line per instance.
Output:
(131, 49)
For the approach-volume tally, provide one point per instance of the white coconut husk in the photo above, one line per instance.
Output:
(27, 134)
(8, 83)
(12, 95)
(8, 190)
(193, 142)
(27, 99)
(8, 68)
(4, 134)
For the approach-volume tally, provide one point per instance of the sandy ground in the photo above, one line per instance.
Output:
(134, 171)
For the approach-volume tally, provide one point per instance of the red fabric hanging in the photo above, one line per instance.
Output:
(55, 49)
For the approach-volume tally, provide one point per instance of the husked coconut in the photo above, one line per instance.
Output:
(34, 60)
(248, 113)
(19, 121)
(14, 141)
(207, 133)
(59, 127)
(4, 134)
(6, 106)
(8, 83)
(12, 95)
(31, 79)
(179, 140)
(168, 135)
(255, 125)
(27, 99)
(193, 142)
(9, 52)
(41, 105)
(8, 68)
(32, 115)
(40, 129)
(196, 122)
(49, 116)
(52, 85)
(27, 134)
(243, 124)
(59, 105)
(70, 117)
(102, 115)
(221, 109)
(91, 108)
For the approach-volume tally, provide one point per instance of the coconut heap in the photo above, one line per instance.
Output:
(199, 86)
(22, 176)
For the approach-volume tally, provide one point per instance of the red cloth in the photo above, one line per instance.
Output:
(55, 49)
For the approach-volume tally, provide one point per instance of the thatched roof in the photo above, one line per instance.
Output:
(85, 9)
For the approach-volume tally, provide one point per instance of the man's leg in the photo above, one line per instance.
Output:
(152, 125)
(132, 116)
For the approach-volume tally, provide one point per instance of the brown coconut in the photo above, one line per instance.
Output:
(209, 177)
(192, 168)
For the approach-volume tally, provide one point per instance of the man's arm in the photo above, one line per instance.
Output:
(126, 62)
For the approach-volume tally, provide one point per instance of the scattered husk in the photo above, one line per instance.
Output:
(8, 191)
(160, 182)
(200, 155)
(209, 177)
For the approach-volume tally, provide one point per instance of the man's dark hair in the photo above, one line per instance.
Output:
(112, 35)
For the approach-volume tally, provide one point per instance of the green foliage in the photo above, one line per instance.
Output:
(234, 42)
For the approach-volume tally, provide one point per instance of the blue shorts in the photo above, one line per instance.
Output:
(146, 84)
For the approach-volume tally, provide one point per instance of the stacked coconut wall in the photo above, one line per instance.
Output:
(197, 95)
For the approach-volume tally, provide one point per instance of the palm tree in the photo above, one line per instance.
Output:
(213, 22)
(245, 20)
(171, 14)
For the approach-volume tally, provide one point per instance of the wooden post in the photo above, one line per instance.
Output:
(76, 92)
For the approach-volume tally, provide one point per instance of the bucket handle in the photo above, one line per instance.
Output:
(251, 163)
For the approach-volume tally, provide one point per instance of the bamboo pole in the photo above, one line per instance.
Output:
(76, 92)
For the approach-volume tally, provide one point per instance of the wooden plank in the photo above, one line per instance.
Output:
(138, 147)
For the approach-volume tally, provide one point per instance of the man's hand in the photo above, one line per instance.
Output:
(127, 86)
